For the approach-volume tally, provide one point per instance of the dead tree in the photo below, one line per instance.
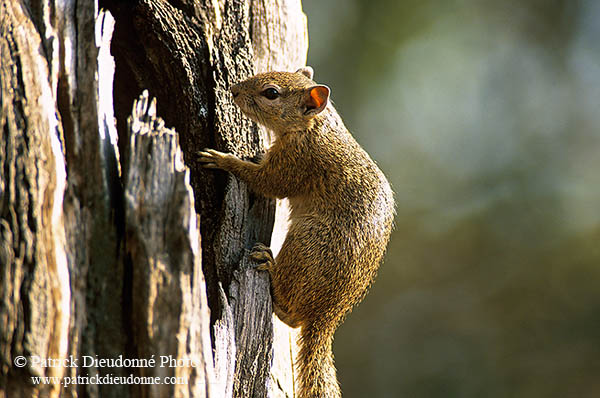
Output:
(115, 245)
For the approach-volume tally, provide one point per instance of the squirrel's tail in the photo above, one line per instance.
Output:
(316, 371)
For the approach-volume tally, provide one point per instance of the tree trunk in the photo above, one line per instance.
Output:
(121, 258)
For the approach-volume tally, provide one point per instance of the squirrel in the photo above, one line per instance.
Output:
(341, 213)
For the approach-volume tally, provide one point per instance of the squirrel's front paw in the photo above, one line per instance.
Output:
(213, 159)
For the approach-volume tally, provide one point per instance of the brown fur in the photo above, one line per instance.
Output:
(341, 215)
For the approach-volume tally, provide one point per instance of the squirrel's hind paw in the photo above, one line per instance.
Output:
(263, 256)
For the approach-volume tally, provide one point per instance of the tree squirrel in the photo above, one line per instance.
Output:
(342, 210)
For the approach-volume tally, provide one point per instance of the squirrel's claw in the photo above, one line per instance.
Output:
(263, 267)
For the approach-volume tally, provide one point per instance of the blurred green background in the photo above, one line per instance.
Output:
(485, 116)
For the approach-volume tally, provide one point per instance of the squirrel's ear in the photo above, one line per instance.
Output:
(306, 71)
(316, 99)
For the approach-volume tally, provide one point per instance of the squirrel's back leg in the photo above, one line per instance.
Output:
(264, 257)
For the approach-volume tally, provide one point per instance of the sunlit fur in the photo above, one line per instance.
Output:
(341, 217)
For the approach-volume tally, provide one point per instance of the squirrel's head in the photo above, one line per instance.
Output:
(282, 101)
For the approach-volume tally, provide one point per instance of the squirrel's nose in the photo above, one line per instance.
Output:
(235, 90)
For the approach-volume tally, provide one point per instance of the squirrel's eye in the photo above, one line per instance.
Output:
(271, 93)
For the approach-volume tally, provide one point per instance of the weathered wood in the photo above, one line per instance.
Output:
(279, 35)
(52, 118)
(34, 280)
(171, 317)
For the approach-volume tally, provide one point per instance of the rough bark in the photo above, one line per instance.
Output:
(100, 252)
(34, 285)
